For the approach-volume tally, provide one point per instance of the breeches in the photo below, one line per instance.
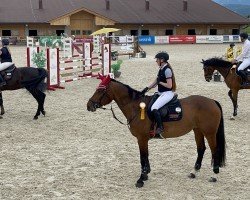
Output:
(164, 98)
(5, 65)
(244, 64)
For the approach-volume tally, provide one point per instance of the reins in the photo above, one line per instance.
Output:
(112, 110)
(114, 116)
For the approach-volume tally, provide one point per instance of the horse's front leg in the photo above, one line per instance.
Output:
(233, 94)
(145, 166)
(1, 104)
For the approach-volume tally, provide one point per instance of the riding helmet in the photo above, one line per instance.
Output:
(5, 41)
(244, 35)
(232, 45)
(162, 55)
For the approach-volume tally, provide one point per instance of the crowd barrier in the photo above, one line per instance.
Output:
(188, 39)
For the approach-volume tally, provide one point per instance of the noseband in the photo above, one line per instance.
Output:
(98, 104)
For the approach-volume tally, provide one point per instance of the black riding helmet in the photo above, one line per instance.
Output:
(244, 35)
(232, 45)
(162, 55)
(5, 41)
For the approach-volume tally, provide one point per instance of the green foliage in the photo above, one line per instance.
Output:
(116, 66)
(39, 59)
(50, 41)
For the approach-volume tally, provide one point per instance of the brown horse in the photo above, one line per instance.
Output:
(33, 79)
(232, 80)
(200, 114)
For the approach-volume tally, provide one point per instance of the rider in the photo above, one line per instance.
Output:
(6, 60)
(165, 81)
(244, 57)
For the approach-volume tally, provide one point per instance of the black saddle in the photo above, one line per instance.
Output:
(7, 73)
(172, 111)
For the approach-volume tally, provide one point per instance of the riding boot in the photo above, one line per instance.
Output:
(2, 81)
(159, 129)
(243, 77)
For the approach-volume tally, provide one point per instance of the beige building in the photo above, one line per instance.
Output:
(133, 17)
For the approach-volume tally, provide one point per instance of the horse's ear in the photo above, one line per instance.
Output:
(202, 61)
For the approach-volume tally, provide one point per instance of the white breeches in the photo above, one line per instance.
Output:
(164, 98)
(244, 64)
(5, 65)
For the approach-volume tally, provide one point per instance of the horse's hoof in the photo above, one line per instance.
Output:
(139, 184)
(145, 177)
(35, 118)
(212, 180)
(1, 117)
(43, 112)
(191, 175)
(232, 118)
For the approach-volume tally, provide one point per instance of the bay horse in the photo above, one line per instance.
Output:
(232, 80)
(200, 114)
(33, 79)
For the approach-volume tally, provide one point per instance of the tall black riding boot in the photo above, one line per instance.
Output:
(159, 129)
(243, 76)
(2, 81)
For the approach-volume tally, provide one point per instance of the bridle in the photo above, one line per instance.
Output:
(99, 105)
(207, 76)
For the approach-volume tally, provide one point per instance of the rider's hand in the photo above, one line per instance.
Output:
(234, 61)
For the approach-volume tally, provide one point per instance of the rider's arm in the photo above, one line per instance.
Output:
(154, 84)
(168, 84)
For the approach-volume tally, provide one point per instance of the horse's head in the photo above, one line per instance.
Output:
(101, 96)
(208, 70)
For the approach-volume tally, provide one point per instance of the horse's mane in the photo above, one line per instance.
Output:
(134, 94)
(218, 62)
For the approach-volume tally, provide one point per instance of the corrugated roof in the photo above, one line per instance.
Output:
(122, 11)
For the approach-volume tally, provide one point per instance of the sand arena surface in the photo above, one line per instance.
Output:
(75, 154)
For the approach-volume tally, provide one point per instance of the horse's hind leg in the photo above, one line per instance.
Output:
(215, 159)
(35, 94)
(199, 138)
(1, 104)
(41, 96)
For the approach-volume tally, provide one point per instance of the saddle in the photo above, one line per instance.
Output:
(172, 111)
(7, 73)
(246, 74)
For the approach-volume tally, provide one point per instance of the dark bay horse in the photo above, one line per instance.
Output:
(232, 80)
(200, 114)
(33, 79)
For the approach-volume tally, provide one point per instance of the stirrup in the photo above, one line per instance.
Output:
(158, 133)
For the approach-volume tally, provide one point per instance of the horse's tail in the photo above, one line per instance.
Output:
(37, 82)
(220, 138)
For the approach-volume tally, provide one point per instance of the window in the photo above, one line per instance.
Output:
(75, 32)
(6, 32)
(235, 31)
(32, 32)
(191, 32)
(134, 32)
(86, 32)
(213, 32)
(59, 32)
(169, 32)
(144, 32)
